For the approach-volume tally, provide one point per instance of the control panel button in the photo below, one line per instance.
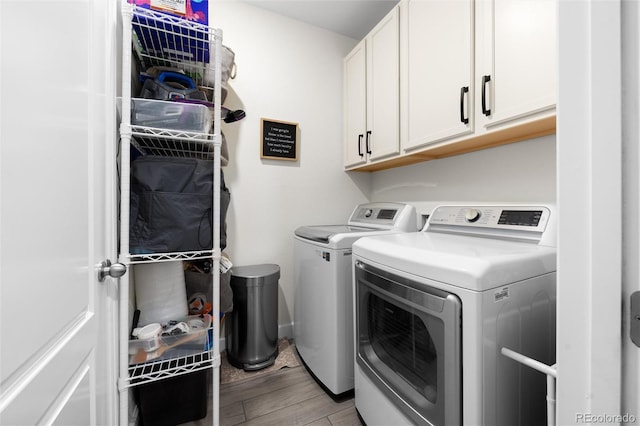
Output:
(472, 215)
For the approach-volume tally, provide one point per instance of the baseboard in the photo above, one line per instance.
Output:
(285, 330)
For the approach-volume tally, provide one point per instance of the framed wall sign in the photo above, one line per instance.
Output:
(279, 140)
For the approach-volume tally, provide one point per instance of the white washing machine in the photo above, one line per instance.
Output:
(434, 308)
(323, 310)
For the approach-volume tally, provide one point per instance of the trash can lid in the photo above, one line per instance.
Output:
(266, 270)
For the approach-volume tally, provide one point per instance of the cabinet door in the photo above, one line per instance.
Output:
(437, 44)
(518, 38)
(355, 105)
(383, 88)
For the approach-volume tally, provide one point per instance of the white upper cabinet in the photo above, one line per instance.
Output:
(473, 74)
(355, 105)
(516, 57)
(436, 70)
(372, 95)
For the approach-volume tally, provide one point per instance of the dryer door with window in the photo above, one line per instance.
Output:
(409, 344)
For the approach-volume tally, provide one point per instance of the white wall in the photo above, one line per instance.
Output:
(290, 71)
(520, 172)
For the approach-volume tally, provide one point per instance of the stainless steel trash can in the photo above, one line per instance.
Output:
(251, 329)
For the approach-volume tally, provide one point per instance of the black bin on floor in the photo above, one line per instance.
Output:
(174, 400)
(251, 329)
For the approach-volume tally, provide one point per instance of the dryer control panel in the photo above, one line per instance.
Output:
(520, 222)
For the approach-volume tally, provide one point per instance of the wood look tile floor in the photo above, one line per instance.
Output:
(289, 396)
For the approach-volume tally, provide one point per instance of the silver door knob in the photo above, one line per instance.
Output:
(107, 269)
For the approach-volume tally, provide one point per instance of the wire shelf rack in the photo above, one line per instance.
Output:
(172, 143)
(167, 257)
(155, 39)
(183, 362)
(163, 40)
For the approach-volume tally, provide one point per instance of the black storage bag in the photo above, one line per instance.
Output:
(172, 205)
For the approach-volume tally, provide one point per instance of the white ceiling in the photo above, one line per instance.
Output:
(352, 18)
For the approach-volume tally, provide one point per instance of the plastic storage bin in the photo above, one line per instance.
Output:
(252, 327)
(174, 400)
(189, 117)
(162, 347)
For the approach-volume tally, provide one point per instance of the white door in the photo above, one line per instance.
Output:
(56, 217)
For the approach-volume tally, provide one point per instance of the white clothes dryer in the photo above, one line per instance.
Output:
(323, 310)
(435, 308)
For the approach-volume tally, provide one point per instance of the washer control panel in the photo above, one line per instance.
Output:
(384, 216)
(381, 215)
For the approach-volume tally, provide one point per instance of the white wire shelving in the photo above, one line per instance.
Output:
(162, 40)
(156, 39)
(172, 143)
(168, 257)
(181, 363)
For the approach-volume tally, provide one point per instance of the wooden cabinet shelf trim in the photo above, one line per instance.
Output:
(533, 129)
